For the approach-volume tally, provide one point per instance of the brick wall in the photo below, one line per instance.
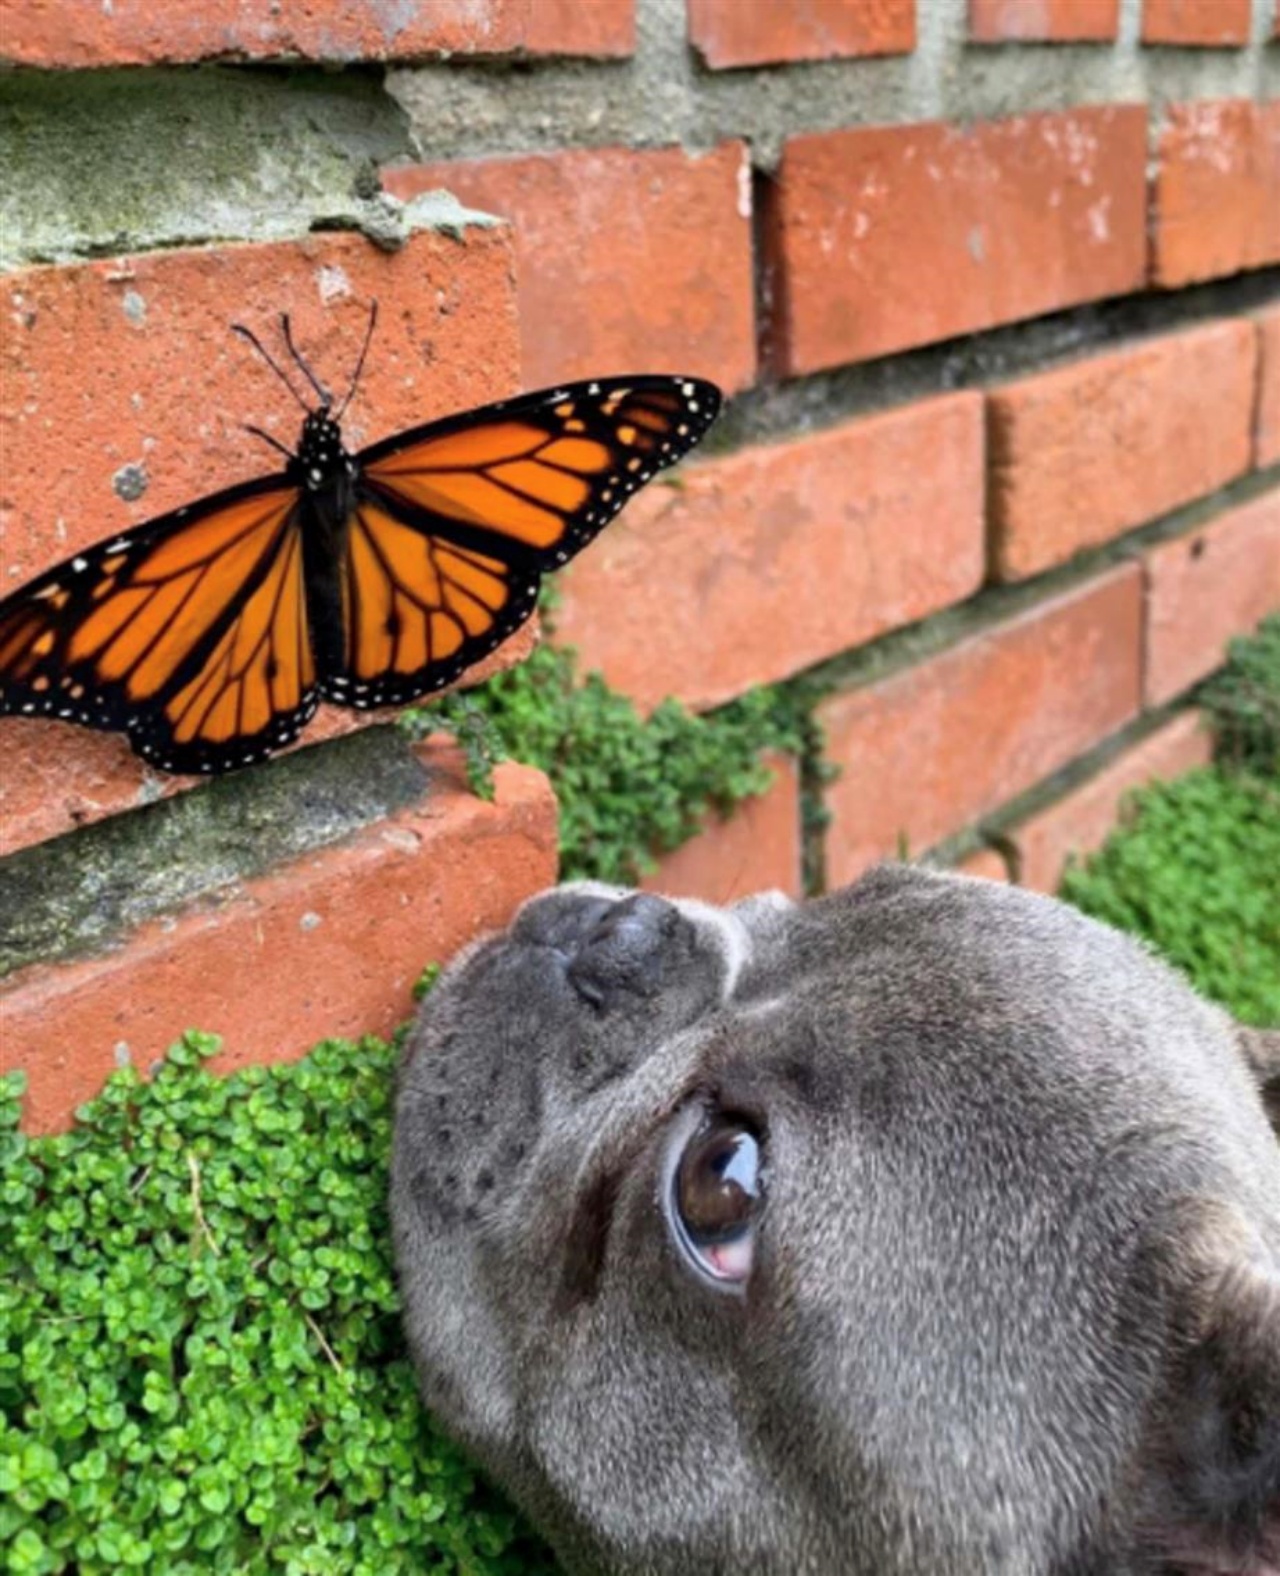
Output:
(996, 289)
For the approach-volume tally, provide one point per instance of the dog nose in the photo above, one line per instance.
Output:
(635, 924)
(620, 952)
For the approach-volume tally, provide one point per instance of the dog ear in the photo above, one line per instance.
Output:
(1213, 1500)
(1261, 1049)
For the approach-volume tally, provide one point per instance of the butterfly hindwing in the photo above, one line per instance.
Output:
(456, 522)
(417, 609)
(189, 633)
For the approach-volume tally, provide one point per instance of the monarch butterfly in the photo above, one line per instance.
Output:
(209, 635)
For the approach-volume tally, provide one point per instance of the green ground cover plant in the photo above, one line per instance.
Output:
(628, 787)
(201, 1367)
(1195, 872)
(1195, 866)
(1244, 701)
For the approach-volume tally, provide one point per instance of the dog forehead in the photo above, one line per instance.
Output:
(921, 937)
(911, 977)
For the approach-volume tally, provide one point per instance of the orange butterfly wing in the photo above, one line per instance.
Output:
(188, 633)
(455, 523)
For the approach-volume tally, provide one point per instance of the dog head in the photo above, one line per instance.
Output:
(926, 1227)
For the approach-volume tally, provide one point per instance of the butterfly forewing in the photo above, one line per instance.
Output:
(456, 522)
(188, 633)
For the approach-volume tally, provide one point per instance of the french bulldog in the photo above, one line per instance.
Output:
(929, 1227)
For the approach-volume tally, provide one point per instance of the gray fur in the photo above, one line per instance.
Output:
(1015, 1309)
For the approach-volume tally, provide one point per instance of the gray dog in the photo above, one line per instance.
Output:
(927, 1227)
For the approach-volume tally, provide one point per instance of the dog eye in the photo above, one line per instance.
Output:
(714, 1196)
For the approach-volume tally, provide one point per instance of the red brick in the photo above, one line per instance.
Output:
(756, 849)
(927, 750)
(627, 261)
(892, 236)
(1195, 22)
(1205, 588)
(1216, 194)
(1267, 423)
(1267, 154)
(602, 29)
(731, 33)
(50, 33)
(988, 863)
(762, 563)
(1089, 450)
(326, 945)
(1043, 21)
(132, 362)
(1082, 820)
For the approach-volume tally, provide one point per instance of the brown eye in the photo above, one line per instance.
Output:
(714, 1197)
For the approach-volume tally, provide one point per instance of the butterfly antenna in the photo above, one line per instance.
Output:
(246, 333)
(267, 438)
(364, 351)
(326, 399)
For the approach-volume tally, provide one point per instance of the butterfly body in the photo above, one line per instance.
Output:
(210, 635)
(326, 477)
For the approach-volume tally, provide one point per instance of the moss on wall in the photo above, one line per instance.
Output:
(101, 162)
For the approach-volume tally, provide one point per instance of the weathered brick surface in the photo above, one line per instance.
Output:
(1207, 23)
(1267, 424)
(1089, 450)
(628, 261)
(760, 564)
(927, 750)
(132, 363)
(1043, 21)
(130, 366)
(1082, 820)
(734, 33)
(887, 237)
(1266, 117)
(328, 945)
(57, 777)
(756, 849)
(1216, 194)
(51, 33)
(1205, 588)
